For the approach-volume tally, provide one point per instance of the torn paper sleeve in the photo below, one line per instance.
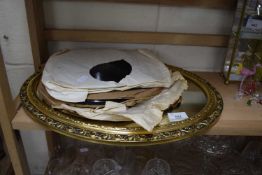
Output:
(147, 114)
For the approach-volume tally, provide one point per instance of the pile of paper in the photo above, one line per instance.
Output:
(116, 77)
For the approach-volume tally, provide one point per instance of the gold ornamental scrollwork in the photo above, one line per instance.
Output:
(121, 133)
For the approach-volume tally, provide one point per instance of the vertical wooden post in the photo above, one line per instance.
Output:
(36, 24)
(35, 19)
(7, 113)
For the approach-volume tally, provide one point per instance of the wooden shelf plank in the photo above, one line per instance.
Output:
(22, 121)
(111, 36)
(237, 118)
(223, 4)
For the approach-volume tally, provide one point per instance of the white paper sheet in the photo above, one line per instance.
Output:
(66, 76)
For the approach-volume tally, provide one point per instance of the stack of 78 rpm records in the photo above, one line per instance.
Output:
(111, 85)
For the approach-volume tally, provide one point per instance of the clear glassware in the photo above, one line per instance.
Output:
(220, 145)
(106, 167)
(234, 165)
(72, 161)
(253, 153)
(157, 167)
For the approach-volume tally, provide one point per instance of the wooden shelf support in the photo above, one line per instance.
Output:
(7, 113)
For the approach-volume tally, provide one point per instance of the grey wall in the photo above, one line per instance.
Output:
(134, 17)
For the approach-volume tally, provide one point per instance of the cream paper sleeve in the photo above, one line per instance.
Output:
(66, 76)
(147, 114)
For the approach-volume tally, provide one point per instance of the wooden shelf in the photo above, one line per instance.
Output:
(109, 36)
(237, 118)
(23, 122)
(223, 4)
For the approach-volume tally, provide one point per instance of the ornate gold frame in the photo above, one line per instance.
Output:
(122, 133)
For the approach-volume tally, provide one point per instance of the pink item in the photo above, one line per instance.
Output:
(247, 73)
